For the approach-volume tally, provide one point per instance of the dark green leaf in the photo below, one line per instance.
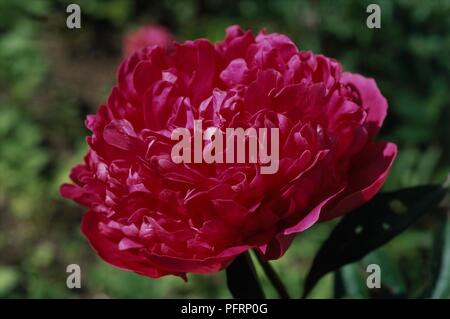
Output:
(371, 226)
(242, 280)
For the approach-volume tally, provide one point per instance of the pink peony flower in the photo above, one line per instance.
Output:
(152, 216)
(147, 37)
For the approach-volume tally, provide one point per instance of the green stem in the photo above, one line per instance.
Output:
(273, 278)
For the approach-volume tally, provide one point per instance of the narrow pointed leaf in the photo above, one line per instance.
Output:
(371, 226)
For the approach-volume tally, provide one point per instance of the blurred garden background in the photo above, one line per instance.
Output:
(51, 77)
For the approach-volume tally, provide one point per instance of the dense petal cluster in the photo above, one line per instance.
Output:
(152, 216)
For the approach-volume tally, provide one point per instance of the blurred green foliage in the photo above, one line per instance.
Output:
(45, 96)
